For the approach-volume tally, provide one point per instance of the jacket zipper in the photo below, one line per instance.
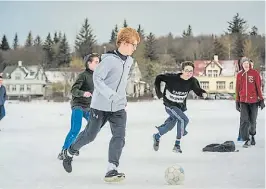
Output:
(118, 83)
(246, 87)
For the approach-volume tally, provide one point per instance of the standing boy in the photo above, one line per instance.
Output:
(177, 87)
(81, 99)
(108, 103)
(248, 99)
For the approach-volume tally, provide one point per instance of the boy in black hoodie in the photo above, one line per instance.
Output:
(177, 87)
(81, 91)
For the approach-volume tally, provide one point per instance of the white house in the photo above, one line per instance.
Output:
(24, 80)
(135, 86)
(62, 75)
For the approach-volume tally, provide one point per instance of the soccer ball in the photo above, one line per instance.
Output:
(174, 175)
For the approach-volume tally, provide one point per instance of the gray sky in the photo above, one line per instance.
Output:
(205, 17)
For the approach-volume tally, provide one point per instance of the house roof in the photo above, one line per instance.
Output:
(200, 66)
(8, 70)
(228, 67)
(30, 72)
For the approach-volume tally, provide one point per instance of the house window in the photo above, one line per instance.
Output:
(204, 84)
(21, 87)
(14, 88)
(215, 73)
(220, 85)
(231, 86)
(17, 76)
(212, 64)
(28, 88)
(209, 73)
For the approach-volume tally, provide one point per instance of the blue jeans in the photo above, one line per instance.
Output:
(176, 117)
(76, 121)
(2, 112)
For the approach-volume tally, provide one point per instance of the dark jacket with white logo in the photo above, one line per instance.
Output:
(176, 89)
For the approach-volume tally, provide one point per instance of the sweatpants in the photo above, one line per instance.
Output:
(248, 118)
(97, 120)
(176, 117)
(76, 121)
(2, 112)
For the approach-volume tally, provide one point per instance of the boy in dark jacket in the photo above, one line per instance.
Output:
(248, 99)
(177, 87)
(81, 91)
(2, 99)
(108, 103)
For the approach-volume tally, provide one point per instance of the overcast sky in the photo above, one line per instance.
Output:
(205, 17)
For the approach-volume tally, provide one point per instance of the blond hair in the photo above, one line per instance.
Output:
(128, 35)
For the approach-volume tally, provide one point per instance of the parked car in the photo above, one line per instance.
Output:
(225, 96)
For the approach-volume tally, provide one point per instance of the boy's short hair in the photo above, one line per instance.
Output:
(128, 35)
(187, 63)
(89, 57)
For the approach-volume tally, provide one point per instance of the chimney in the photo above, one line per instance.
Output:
(19, 63)
(215, 58)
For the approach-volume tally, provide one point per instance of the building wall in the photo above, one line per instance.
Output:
(19, 86)
(219, 84)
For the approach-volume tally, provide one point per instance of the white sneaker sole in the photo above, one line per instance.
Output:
(114, 179)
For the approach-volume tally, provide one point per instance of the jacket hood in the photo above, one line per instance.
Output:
(241, 61)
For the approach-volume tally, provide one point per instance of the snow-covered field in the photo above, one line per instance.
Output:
(33, 133)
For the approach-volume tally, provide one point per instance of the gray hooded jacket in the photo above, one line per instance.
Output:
(110, 82)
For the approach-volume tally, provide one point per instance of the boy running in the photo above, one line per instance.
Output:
(177, 87)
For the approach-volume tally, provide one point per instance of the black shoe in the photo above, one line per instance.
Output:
(67, 161)
(177, 149)
(114, 176)
(247, 144)
(60, 155)
(253, 142)
(156, 143)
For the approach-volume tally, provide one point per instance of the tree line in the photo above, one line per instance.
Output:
(154, 54)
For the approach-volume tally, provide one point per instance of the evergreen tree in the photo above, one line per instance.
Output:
(85, 40)
(49, 51)
(219, 49)
(60, 36)
(188, 33)
(113, 37)
(15, 43)
(4, 44)
(239, 46)
(254, 31)
(63, 56)
(125, 23)
(29, 40)
(237, 25)
(56, 38)
(150, 48)
(37, 41)
(140, 30)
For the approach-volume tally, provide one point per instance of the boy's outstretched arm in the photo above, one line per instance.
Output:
(198, 90)
(157, 83)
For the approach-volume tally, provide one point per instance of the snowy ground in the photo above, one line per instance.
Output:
(32, 135)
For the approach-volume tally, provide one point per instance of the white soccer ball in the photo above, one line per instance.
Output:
(174, 175)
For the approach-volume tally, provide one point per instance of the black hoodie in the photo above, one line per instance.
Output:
(176, 89)
(84, 83)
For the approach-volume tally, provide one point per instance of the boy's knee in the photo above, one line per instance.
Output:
(186, 121)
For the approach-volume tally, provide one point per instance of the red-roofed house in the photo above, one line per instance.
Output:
(216, 76)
